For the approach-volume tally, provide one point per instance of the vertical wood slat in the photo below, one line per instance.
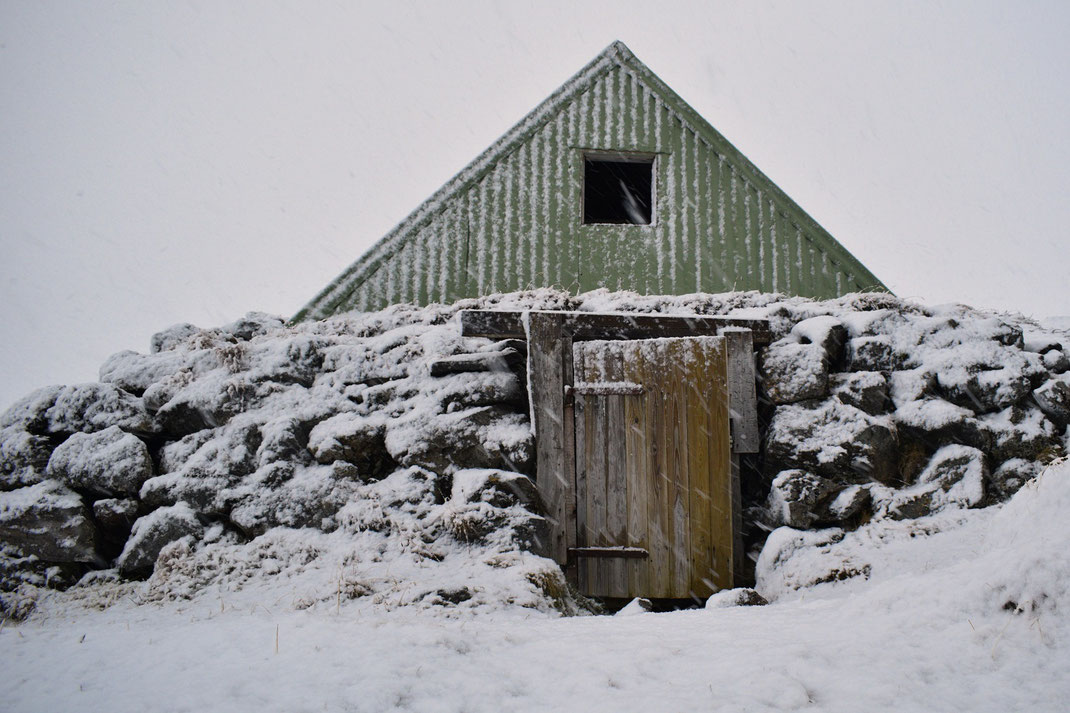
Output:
(616, 470)
(659, 495)
(676, 472)
(580, 416)
(701, 411)
(742, 395)
(723, 505)
(595, 446)
(636, 473)
(549, 370)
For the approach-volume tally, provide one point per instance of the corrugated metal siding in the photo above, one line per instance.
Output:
(519, 224)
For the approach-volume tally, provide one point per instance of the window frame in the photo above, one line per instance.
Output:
(646, 157)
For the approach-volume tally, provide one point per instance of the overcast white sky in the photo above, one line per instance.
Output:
(191, 161)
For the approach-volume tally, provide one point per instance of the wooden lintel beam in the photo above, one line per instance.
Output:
(504, 324)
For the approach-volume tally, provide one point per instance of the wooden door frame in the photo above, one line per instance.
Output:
(550, 336)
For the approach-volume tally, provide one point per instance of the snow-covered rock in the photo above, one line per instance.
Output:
(152, 533)
(49, 521)
(955, 477)
(109, 462)
(23, 457)
(793, 372)
(834, 440)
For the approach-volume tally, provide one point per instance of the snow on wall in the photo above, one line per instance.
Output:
(325, 447)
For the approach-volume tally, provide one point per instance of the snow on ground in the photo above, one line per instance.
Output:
(965, 610)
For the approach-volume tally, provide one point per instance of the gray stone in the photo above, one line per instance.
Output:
(354, 439)
(834, 440)
(874, 353)
(281, 495)
(1056, 361)
(792, 372)
(827, 332)
(49, 521)
(1023, 433)
(739, 597)
(173, 336)
(115, 516)
(108, 462)
(485, 437)
(1010, 476)
(1053, 398)
(217, 463)
(253, 324)
(87, 408)
(798, 497)
(955, 477)
(935, 422)
(30, 412)
(23, 457)
(498, 487)
(850, 504)
(865, 390)
(152, 533)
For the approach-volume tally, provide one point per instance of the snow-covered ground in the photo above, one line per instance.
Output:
(965, 610)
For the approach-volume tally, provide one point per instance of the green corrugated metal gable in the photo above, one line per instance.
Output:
(512, 218)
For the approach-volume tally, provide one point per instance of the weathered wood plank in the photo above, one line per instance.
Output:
(616, 480)
(580, 459)
(700, 411)
(636, 471)
(678, 353)
(501, 324)
(660, 514)
(549, 370)
(738, 553)
(742, 396)
(595, 446)
(722, 504)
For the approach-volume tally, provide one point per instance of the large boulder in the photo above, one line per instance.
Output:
(485, 437)
(23, 457)
(109, 462)
(280, 494)
(798, 497)
(826, 331)
(872, 353)
(1053, 398)
(62, 410)
(954, 478)
(1023, 433)
(985, 376)
(935, 422)
(355, 439)
(200, 467)
(152, 533)
(865, 390)
(834, 440)
(793, 372)
(49, 521)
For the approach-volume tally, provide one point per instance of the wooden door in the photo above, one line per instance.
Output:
(653, 468)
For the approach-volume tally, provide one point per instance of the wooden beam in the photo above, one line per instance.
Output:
(504, 324)
(549, 371)
(742, 395)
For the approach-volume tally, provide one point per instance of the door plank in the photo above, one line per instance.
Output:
(549, 370)
(700, 412)
(580, 457)
(679, 353)
(637, 473)
(616, 475)
(722, 505)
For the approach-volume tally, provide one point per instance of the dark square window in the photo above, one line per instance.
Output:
(617, 190)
